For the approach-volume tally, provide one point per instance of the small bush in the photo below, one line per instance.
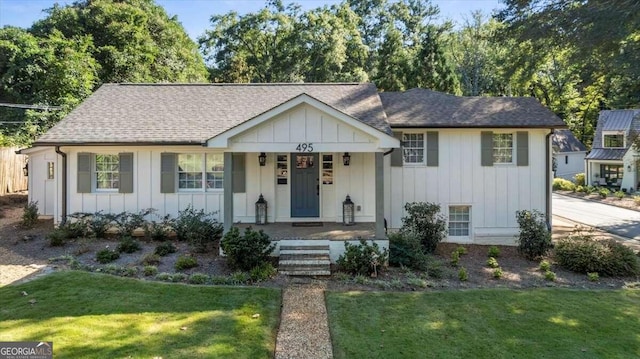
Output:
(550, 276)
(581, 252)
(593, 276)
(240, 277)
(405, 250)
(425, 222)
(150, 259)
(149, 270)
(636, 200)
(185, 262)
(590, 189)
(563, 185)
(434, 269)
(112, 269)
(455, 258)
(164, 276)
(494, 252)
(107, 256)
(462, 274)
(492, 263)
(579, 179)
(165, 248)
(417, 282)
(619, 194)
(603, 192)
(99, 223)
(158, 231)
(128, 222)
(57, 237)
(129, 272)
(497, 273)
(247, 251)
(580, 189)
(128, 245)
(178, 277)
(544, 266)
(534, 240)
(221, 280)
(262, 272)
(198, 278)
(199, 228)
(363, 258)
(461, 250)
(29, 215)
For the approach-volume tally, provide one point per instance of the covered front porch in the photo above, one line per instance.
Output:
(315, 231)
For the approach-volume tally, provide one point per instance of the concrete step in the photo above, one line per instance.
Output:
(306, 272)
(304, 251)
(304, 247)
(304, 256)
(305, 260)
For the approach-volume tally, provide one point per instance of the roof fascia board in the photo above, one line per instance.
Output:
(472, 127)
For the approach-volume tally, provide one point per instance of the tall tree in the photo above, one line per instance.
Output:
(432, 67)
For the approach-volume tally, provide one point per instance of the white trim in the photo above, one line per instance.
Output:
(385, 141)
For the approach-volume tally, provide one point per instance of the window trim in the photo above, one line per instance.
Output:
(468, 222)
(613, 133)
(514, 145)
(203, 172)
(424, 148)
(94, 173)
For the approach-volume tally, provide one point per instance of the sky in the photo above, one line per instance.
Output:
(195, 14)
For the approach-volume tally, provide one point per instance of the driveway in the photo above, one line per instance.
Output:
(620, 221)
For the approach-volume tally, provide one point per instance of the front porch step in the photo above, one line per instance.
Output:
(304, 260)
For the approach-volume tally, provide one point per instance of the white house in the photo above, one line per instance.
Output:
(568, 154)
(168, 146)
(613, 161)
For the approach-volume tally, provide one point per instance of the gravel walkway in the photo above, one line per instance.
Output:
(304, 330)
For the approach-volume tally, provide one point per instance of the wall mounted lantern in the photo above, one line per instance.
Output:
(261, 210)
(25, 169)
(262, 159)
(628, 168)
(348, 212)
(346, 159)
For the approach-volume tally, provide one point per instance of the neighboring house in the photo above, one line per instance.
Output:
(568, 154)
(612, 161)
(165, 146)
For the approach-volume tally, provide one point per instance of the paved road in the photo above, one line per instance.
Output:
(616, 220)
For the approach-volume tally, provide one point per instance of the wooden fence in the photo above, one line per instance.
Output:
(12, 178)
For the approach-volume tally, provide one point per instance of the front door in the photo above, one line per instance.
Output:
(305, 185)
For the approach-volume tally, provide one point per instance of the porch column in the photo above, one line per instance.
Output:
(380, 234)
(228, 191)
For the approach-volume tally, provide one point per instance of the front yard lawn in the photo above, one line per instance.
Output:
(538, 323)
(100, 316)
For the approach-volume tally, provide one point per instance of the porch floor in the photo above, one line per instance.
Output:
(328, 231)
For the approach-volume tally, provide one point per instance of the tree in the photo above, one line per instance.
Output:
(432, 68)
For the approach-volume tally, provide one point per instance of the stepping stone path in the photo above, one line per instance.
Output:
(304, 330)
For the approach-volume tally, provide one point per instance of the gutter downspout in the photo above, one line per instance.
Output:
(64, 184)
(388, 152)
(548, 180)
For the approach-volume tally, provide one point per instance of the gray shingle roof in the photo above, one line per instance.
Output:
(615, 120)
(426, 108)
(565, 141)
(190, 113)
(606, 154)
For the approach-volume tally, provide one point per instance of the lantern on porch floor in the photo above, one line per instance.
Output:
(348, 212)
(261, 210)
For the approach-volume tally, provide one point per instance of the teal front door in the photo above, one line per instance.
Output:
(305, 185)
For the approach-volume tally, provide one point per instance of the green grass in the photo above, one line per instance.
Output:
(542, 323)
(99, 316)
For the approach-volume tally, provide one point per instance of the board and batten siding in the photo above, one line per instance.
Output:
(494, 192)
(569, 164)
(146, 185)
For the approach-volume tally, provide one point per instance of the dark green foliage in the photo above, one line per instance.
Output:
(128, 245)
(247, 251)
(494, 252)
(405, 250)
(107, 256)
(582, 253)
(58, 237)
(158, 231)
(362, 258)
(67, 231)
(198, 278)
(263, 272)
(185, 262)
(199, 228)
(29, 215)
(100, 223)
(534, 240)
(424, 221)
(150, 259)
(165, 248)
(128, 222)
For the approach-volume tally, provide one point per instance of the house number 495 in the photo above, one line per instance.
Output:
(305, 147)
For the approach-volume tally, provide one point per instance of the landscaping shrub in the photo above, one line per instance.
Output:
(497, 273)
(580, 189)
(619, 194)
(550, 276)
(128, 245)
(262, 272)
(405, 250)
(534, 240)
(435, 269)
(165, 248)
(462, 274)
(247, 251)
(494, 252)
(590, 189)
(158, 231)
(492, 263)
(107, 256)
(363, 258)
(99, 223)
(581, 252)
(603, 192)
(129, 272)
(636, 200)
(461, 250)
(150, 259)
(178, 277)
(199, 228)
(29, 215)
(128, 222)
(593, 276)
(164, 276)
(544, 265)
(425, 222)
(563, 185)
(149, 270)
(579, 179)
(185, 262)
(455, 258)
(198, 278)
(57, 237)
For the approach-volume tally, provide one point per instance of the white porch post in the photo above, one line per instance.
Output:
(228, 191)
(379, 178)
